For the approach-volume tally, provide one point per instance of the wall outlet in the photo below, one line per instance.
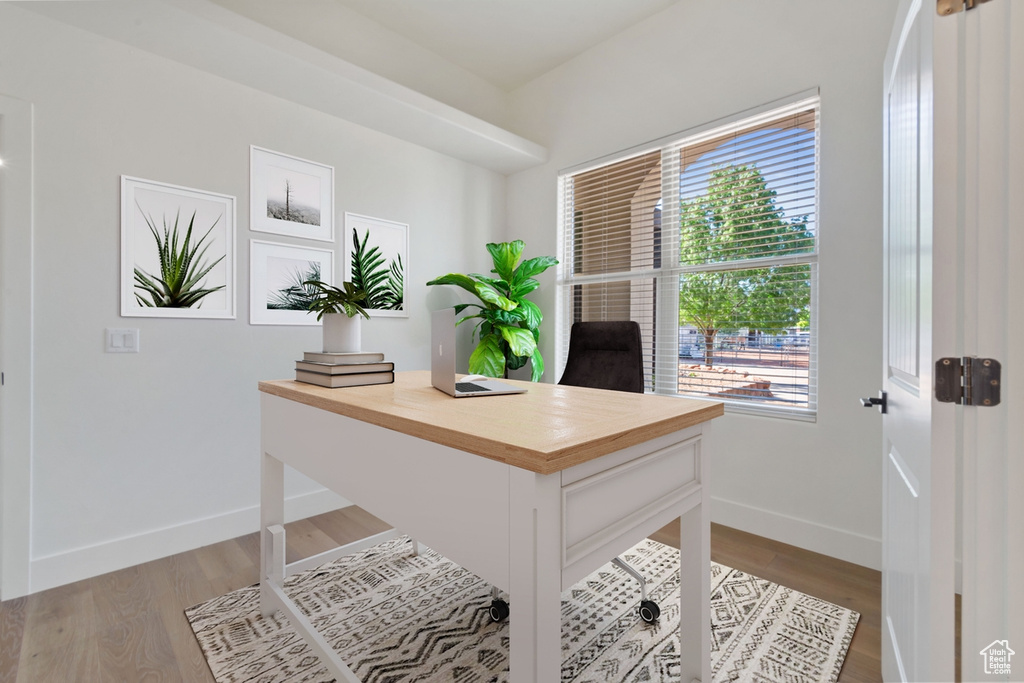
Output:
(122, 340)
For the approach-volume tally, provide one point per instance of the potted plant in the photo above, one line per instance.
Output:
(509, 323)
(341, 311)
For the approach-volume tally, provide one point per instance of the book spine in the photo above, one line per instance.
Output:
(335, 369)
(342, 358)
(349, 380)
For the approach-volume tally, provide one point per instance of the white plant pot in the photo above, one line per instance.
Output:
(342, 334)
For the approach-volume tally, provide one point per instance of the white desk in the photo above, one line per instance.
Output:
(531, 492)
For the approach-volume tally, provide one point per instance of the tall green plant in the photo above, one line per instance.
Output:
(509, 323)
(181, 268)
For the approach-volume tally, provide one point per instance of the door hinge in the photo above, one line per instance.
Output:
(947, 7)
(969, 381)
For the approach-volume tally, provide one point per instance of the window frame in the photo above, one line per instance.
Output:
(667, 275)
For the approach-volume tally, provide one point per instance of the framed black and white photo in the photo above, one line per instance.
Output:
(177, 251)
(277, 272)
(376, 262)
(290, 196)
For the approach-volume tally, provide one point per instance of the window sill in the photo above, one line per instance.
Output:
(797, 414)
(747, 408)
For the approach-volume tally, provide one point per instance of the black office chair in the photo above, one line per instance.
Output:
(603, 355)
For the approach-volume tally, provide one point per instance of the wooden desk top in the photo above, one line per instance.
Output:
(545, 430)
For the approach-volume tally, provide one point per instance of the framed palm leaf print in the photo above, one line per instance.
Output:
(377, 262)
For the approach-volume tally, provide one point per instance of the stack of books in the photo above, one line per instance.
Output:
(344, 369)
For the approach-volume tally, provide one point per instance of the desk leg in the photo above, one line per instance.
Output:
(271, 515)
(535, 577)
(695, 585)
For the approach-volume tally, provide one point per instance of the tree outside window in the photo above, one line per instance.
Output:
(734, 221)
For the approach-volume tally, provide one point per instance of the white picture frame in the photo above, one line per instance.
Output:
(148, 208)
(276, 268)
(391, 240)
(290, 196)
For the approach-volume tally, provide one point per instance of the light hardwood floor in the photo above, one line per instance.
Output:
(129, 625)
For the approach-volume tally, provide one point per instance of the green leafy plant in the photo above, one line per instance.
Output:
(297, 295)
(369, 274)
(328, 299)
(395, 298)
(182, 268)
(509, 323)
(382, 282)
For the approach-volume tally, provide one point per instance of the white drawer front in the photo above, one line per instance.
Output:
(605, 504)
(598, 465)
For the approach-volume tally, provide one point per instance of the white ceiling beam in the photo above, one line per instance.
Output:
(209, 37)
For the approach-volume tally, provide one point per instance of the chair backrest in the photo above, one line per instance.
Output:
(605, 355)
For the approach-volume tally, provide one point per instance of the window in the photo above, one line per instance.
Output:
(709, 241)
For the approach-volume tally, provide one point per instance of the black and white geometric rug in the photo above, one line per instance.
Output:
(396, 618)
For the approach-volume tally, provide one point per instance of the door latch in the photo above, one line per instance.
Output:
(882, 402)
(968, 381)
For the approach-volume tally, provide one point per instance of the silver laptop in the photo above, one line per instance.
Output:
(442, 362)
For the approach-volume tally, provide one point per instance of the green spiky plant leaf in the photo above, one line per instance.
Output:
(297, 295)
(329, 299)
(182, 267)
(369, 274)
(394, 298)
(508, 324)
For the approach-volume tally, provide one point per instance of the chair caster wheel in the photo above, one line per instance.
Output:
(498, 610)
(649, 611)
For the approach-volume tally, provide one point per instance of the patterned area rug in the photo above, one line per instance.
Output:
(396, 618)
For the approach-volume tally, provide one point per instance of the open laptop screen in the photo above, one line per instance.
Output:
(442, 362)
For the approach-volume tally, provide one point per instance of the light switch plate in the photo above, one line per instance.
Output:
(122, 340)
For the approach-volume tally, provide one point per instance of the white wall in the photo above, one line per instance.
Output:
(813, 485)
(141, 455)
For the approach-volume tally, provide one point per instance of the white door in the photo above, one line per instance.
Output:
(918, 471)
(954, 249)
(992, 258)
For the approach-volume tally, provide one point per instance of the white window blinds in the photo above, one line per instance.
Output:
(709, 242)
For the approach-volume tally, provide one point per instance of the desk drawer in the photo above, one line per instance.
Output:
(600, 507)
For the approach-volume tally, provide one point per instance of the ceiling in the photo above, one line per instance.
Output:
(505, 42)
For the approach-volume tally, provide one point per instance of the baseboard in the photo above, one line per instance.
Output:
(83, 563)
(838, 543)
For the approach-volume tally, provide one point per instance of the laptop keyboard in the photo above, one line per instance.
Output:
(469, 386)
